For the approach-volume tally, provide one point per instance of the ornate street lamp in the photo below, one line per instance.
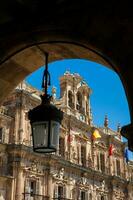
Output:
(45, 120)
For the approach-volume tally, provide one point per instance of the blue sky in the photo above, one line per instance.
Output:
(108, 96)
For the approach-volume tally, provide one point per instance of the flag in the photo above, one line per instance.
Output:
(111, 150)
(69, 138)
(96, 134)
(126, 155)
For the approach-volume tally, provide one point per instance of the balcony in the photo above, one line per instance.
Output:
(105, 170)
(61, 198)
(120, 176)
(30, 196)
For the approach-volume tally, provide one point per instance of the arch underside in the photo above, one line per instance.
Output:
(66, 29)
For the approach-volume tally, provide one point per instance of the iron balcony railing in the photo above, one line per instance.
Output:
(32, 196)
(119, 175)
(61, 198)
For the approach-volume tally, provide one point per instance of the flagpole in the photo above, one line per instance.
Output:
(93, 154)
(93, 183)
(69, 130)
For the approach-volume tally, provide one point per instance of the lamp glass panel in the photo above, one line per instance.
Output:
(54, 133)
(40, 134)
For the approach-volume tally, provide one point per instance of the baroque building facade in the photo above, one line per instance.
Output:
(83, 168)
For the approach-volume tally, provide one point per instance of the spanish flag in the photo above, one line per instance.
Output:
(96, 134)
(69, 138)
(111, 150)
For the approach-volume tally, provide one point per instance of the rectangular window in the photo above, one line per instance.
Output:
(62, 146)
(102, 198)
(98, 167)
(1, 134)
(78, 160)
(83, 156)
(82, 195)
(102, 162)
(118, 167)
(32, 188)
(60, 192)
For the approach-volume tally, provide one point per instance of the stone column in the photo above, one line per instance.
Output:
(50, 187)
(79, 149)
(93, 150)
(21, 125)
(16, 126)
(19, 185)
(12, 190)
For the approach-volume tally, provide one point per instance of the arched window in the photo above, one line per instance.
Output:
(70, 99)
(79, 101)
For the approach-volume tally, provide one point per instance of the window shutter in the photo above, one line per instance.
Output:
(37, 187)
(74, 193)
(61, 146)
(102, 160)
(83, 155)
(27, 186)
(102, 197)
(98, 162)
(64, 191)
(79, 195)
(78, 159)
(86, 195)
(118, 167)
(56, 191)
(27, 189)
(1, 135)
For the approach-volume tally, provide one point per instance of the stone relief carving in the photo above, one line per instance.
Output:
(34, 166)
(59, 174)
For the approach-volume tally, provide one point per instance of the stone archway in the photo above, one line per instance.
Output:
(105, 28)
(26, 60)
(16, 67)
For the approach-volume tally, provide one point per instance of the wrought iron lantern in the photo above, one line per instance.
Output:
(45, 120)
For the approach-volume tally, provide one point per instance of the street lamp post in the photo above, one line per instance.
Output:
(45, 120)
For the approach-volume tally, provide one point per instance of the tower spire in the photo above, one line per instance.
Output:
(106, 121)
(118, 128)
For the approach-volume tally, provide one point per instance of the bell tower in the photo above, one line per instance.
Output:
(75, 95)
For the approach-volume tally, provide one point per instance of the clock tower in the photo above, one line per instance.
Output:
(75, 97)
